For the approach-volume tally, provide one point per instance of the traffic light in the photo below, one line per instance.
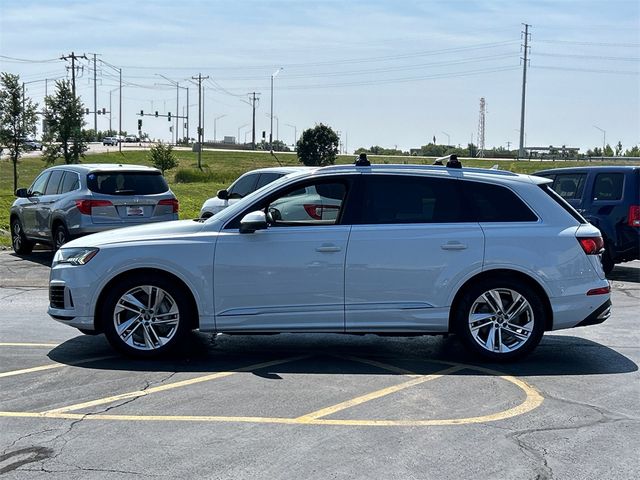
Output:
(264, 134)
(142, 113)
(156, 113)
(86, 111)
(169, 116)
(104, 111)
(139, 124)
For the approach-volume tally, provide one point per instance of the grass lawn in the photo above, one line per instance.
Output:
(225, 167)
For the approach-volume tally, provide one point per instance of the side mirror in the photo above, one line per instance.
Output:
(253, 221)
(223, 195)
(22, 193)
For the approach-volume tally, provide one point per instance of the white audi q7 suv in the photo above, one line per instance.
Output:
(496, 257)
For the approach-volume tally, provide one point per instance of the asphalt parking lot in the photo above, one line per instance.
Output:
(314, 406)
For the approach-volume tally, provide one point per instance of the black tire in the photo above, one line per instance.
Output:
(607, 261)
(137, 344)
(60, 236)
(522, 332)
(21, 245)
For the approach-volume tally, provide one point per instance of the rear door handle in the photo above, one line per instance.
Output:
(328, 248)
(453, 246)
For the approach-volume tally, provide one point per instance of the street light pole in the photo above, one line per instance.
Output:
(215, 120)
(448, 138)
(240, 128)
(273, 75)
(604, 137)
(295, 133)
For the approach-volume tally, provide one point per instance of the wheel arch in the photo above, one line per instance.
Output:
(195, 321)
(504, 273)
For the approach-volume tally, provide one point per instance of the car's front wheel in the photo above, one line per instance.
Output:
(146, 316)
(21, 245)
(500, 319)
(60, 236)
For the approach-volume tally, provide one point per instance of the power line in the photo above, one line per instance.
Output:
(588, 57)
(25, 60)
(590, 70)
(591, 44)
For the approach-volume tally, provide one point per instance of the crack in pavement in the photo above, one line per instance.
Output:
(46, 461)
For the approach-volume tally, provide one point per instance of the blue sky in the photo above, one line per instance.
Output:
(381, 72)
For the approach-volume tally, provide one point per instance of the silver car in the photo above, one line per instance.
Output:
(69, 201)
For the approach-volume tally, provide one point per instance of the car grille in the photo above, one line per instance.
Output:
(56, 296)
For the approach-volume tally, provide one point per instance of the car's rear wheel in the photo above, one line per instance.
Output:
(607, 261)
(21, 245)
(500, 319)
(60, 236)
(146, 316)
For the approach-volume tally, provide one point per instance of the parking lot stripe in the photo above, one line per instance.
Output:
(51, 366)
(18, 344)
(377, 394)
(170, 386)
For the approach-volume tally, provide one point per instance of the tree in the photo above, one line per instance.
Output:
(64, 118)
(318, 146)
(608, 151)
(619, 149)
(162, 157)
(17, 119)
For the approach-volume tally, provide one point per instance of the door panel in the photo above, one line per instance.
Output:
(281, 279)
(399, 277)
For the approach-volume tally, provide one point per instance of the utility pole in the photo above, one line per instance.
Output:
(73, 58)
(253, 101)
(200, 78)
(524, 85)
(95, 99)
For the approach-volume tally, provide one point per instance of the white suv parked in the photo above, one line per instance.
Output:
(243, 186)
(496, 257)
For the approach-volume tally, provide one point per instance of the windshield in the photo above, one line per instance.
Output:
(127, 183)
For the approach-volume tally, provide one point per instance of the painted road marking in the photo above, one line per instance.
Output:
(170, 386)
(51, 366)
(373, 395)
(532, 401)
(17, 344)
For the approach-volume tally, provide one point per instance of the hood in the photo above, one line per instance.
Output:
(149, 232)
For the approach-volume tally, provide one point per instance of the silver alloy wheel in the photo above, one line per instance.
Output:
(17, 236)
(501, 320)
(146, 317)
(61, 237)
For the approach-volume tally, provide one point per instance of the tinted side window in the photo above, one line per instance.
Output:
(402, 199)
(267, 178)
(54, 182)
(493, 203)
(243, 186)
(127, 183)
(320, 208)
(37, 187)
(569, 185)
(608, 186)
(70, 182)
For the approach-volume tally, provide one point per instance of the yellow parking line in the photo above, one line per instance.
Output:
(170, 386)
(51, 366)
(377, 394)
(17, 344)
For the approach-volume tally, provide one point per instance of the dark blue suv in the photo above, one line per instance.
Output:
(609, 198)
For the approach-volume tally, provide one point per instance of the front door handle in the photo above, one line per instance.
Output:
(453, 246)
(328, 248)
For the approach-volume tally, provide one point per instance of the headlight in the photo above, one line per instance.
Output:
(74, 256)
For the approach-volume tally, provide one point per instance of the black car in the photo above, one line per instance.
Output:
(609, 198)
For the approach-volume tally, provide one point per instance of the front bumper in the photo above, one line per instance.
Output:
(71, 296)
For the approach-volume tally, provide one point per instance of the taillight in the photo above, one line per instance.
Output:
(591, 245)
(171, 201)
(85, 206)
(600, 291)
(634, 216)
(315, 210)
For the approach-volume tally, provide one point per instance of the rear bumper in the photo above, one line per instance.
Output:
(600, 315)
(86, 227)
